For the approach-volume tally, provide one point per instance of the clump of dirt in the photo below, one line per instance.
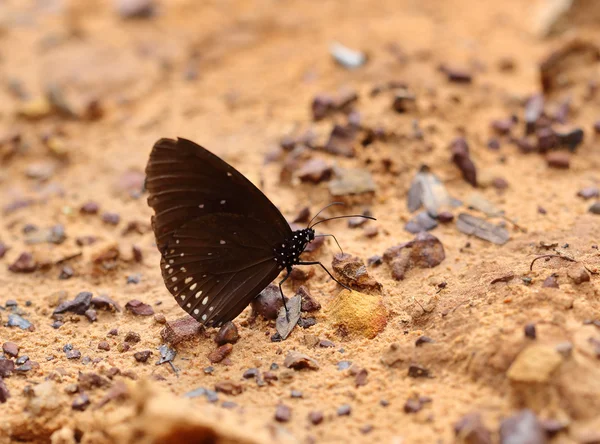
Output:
(474, 313)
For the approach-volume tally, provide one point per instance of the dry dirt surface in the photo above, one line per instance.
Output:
(470, 130)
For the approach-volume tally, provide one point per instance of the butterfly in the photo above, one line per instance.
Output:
(222, 241)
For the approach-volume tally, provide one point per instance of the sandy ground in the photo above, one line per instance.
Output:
(237, 77)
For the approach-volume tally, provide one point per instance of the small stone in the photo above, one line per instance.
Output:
(228, 334)
(89, 207)
(352, 182)
(142, 356)
(79, 305)
(421, 222)
(595, 208)
(132, 337)
(412, 405)
(220, 353)
(137, 254)
(251, 373)
(160, 318)
(299, 361)
(91, 315)
(471, 430)
(14, 320)
(22, 360)
(315, 171)
(229, 388)
(103, 345)
(423, 340)
(66, 272)
(139, 308)
(558, 159)
(283, 413)
(136, 9)
(309, 303)
(104, 302)
(182, 329)
(324, 343)
(113, 332)
(111, 218)
(123, 347)
(456, 75)
(89, 381)
(417, 371)
(522, 427)
(551, 281)
(462, 159)
(589, 193)
(342, 141)
(25, 263)
(316, 417)
(360, 375)
(371, 231)
(352, 271)
(500, 183)
(535, 363)
(424, 251)
(296, 394)
(530, 331)
(347, 57)
(344, 365)
(10, 349)
(73, 354)
(81, 402)
(578, 274)
(344, 410)
(267, 303)
(564, 348)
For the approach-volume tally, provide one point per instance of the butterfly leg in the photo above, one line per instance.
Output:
(287, 315)
(326, 270)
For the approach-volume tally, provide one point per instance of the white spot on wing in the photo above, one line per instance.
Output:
(196, 311)
(198, 294)
(223, 202)
(205, 300)
(188, 280)
(222, 242)
(201, 206)
(193, 286)
(174, 278)
(204, 317)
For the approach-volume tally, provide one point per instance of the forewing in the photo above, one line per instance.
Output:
(185, 182)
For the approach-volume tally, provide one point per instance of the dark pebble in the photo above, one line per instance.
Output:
(542, 210)
(283, 413)
(134, 279)
(79, 305)
(316, 417)
(595, 208)
(24, 368)
(309, 303)
(10, 303)
(113, 332)
(558, 159)
(142, 356)
(423, 340)
(139, 308)
(268, 303)
(103, 345)
(208, 370)
(416, 371)
(132, 337)
(344, 410)
(374, 260)
(324, 343)
(4, 393)
(251, 373)
(445, 217)
(81, 402)
(597, 127)
(493, 144)
(89, 208)
(111, 218)
(57, 324)
(530, 331)
(22, 360)
(220, 353)
(137, 254)
(470, 429)
(589, 193)
(102, 301)
(228, 334)
(296, 394)
(456, 75)
(66, 272)
(384, 403)
(91, 315)
(24, 264)
(124, 347)
(307, 322)
(10, 349)
(7, 366)
(500, 183)
(274, 366)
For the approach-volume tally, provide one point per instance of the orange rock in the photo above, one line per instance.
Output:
(358, 313)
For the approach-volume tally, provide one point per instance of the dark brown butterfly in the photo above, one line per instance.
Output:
(221, 239)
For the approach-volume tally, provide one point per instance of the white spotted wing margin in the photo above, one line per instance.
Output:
(215, 230)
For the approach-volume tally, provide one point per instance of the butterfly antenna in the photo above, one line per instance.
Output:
(343, 217)
(336, 241)
(323, 209)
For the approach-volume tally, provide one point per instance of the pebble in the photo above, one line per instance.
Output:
(104, 302)
(251, 373)
(111, 218)
(132, 337)
(66, 272)
(315, 171)
(470, 429)
(352, 271)
(423, 340)
(4, 393)
(421, 222)
(89, 207)
(79, 305)
(461, 158)
(10, 349)
(73, 354)
(595, 208)
(344, 365)
(412, 405)
(91, 315)
(296, 394)
(358, 313)
(551, 281)
(7, 366)
(558, 159)
(14, 320)
(371, 231)
(456, 75)
(180, 330)
(424, 251)
(81, 402)
(578, 274)
(220, 353)
(228, 334)
(589, 193)
(344, 410)
(316, 417)
(268, 303)
(309, 303)
(229, 388)
(139, 308)
(530, 331)
(89, 381)
(136, 9)
(103, 345)
(341, 142)
(522, 427)
(142, 356)
(417, 371)
(25, 263)
(299, 361)
(346, 57)
(283, 413)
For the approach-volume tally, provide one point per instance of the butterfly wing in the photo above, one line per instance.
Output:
(216, 231)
